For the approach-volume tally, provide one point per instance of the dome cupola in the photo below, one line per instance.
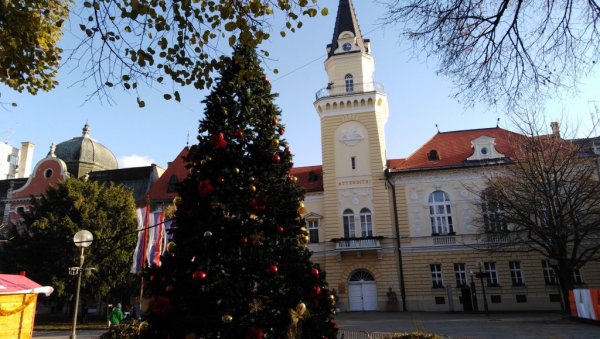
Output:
(84, 154)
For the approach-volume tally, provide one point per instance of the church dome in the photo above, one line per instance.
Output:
(84, 154)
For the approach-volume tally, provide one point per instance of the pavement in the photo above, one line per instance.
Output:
(526, 325)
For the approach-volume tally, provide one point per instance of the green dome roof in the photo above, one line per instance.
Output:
(84, 154)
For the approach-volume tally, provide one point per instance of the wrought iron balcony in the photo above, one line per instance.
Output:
(332, 90)
(357, 244)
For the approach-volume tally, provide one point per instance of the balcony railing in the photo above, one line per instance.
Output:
(330, 91)
(357, 244)
(444, 240)
(497, 237)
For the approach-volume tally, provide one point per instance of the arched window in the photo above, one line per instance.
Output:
(440, 213)
(361, 275)
(348, 217)
(349, 83)
(366, 225)
(493, 213)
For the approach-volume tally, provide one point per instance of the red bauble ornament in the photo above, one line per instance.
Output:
(276, 158)
(221, 180)
(287, 150)
(170, 288)
(152, 278)
(218, 141)
(204, 188)
(202, 128)
(275, 121)
(255, 333)
(272, 270)
(240, 134)
(199, 275)
(281, 131)
(258, 204)
(316, 289)
(279, 229)
(244, 241)
(315, 273)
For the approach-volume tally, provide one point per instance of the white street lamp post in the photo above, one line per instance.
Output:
(82, 239)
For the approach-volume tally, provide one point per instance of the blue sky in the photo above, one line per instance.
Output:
(418, 100)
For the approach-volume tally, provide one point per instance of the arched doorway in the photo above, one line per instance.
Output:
(362, 291)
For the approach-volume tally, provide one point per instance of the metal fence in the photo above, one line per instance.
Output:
(345, 334)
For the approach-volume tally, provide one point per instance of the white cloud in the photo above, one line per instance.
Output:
(134, 160)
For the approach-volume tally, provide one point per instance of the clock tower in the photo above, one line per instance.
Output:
(353, 110)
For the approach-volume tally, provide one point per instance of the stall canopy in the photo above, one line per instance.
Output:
(18, 298)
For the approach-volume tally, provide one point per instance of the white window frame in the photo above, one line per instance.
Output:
(440, 213)
(348, 223)
(493, 215)
(349, 83)
(492, 273)
(516, 274)
(313, 230)
(460, 274)
(577, 277)
(549, 274)
(366, 223)
(437, 277)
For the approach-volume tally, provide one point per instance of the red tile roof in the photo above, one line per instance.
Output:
(453, 149)
(159, 190)
(309, 177)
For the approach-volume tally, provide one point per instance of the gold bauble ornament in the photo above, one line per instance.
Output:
(177, 200)
(171, 246)
(202, 162)
(236, 170)
(143, 327)
(226, 319)
(252, 188)
(303, 230)
(207, 234)
(304, 239)
(275, 142)
(331, 298)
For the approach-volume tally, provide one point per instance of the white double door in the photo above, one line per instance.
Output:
(363, 295)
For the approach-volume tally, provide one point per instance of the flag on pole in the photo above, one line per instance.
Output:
(139, 255)
(157, 238)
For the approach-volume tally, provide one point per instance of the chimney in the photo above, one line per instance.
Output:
(25, 159)
(555, 129)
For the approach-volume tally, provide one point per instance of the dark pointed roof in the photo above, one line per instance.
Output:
(346, 21)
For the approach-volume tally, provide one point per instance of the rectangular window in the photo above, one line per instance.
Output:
(521, 298)
(492, 274)
(436, 275)
(440, 300)
(549, 274)
(313, 231)
(353, 162)
(577, 278)
(460, 274)
(554, 298)
(496, 299)
(516, 275)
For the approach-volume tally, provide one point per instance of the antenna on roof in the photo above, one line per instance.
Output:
(436, 127)
(187, 142)
(497, 122)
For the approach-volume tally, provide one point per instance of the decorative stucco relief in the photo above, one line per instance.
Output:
(351, 136)
(356, 196)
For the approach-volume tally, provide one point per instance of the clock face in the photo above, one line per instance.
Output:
(346, 47)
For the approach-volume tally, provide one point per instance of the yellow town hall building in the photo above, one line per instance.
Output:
(405, 230)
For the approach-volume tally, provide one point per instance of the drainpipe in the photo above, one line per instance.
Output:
(397, 227)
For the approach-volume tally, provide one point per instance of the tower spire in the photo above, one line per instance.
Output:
(346, 21)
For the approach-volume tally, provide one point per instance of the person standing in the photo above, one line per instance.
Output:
(116, 315)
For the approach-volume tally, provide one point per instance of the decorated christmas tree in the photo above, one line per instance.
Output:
(238, 265)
